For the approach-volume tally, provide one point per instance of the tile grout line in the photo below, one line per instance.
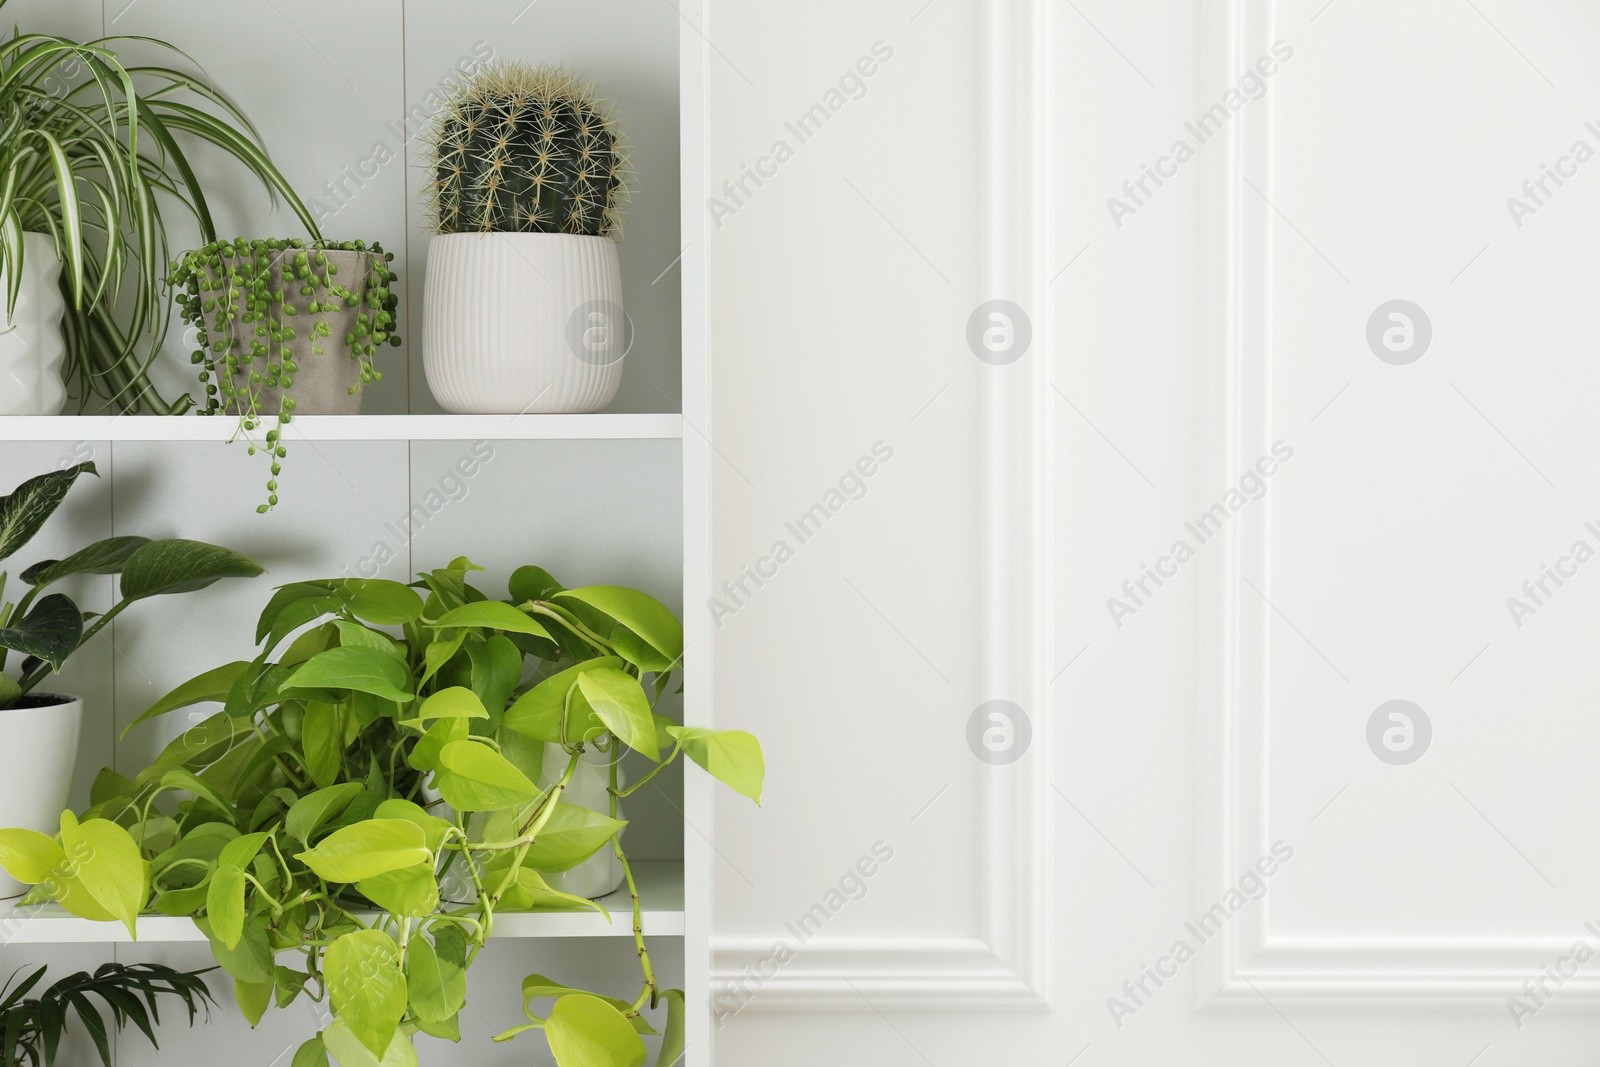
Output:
(111, 639)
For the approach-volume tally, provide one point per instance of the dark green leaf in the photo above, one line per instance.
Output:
(532, 583)
(31, 503)
(102, 557)
(180, 566)
(51, 631)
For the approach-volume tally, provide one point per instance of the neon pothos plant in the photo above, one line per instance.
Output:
(385, 742)
(44, 627)
(88, 155)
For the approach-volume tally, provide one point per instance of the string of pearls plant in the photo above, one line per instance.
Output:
(262, 308)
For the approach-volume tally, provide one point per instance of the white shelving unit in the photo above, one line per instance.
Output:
(660, 892)
(176, 479)
(349, 428)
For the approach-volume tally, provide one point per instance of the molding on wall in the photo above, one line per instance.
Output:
(1245, 964)
(1008, 966)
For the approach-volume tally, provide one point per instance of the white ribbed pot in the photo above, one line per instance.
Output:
(523, 323)
(40, 740)
(31, 346)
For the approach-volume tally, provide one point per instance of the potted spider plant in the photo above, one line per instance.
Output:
(522, 307)
(84, 177)
(39, 731)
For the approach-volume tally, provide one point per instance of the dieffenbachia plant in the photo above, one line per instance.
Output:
(47, 627)
(383, 746)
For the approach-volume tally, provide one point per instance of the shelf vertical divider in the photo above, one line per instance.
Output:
(693, 105)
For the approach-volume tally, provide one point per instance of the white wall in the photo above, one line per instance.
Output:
(1419, 897)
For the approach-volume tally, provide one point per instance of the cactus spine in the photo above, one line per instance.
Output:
(526, 149)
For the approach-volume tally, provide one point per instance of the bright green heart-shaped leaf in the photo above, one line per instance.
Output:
(410, 891)
(672, 1038)
(242, 849)
(433, 828)
(27, 506)
(492, 615)
(29, 856)
(732, 756)
(585, 1031)
(104, 859)
(225, 904)
(457, 702)
(530, 892)
(317, 639)
(213, 685)
(364, 670)
(51, 631)
(537, 986)
(355, 635)
(189, 782)
(322, 740)
(438, 653)
(180, 566)
(572, 835)
(471, 776)
(425, 982)
(618, 701)
(424, 755)
(253, 999)
(378, 600)
(250, 960)
(102, 557)
(313, 1053)
(307, 814)
(644, 615)
(537, 713)
(366, 850)
(349, 1051)
(362, 970)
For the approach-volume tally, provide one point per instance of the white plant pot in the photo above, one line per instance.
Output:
(597, 876)
(523, 323)
(601, 873)
(31, 346)
(41, 745)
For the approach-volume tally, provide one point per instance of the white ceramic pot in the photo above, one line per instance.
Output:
(40, 742)
(31, 346)
(523, 323)
(601, 873)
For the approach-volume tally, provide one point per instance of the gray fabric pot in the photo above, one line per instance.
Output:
(322, 384)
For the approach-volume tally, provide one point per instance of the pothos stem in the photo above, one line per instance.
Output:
(650, 990)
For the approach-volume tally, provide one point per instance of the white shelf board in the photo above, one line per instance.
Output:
(347, 427)
(660, 891)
